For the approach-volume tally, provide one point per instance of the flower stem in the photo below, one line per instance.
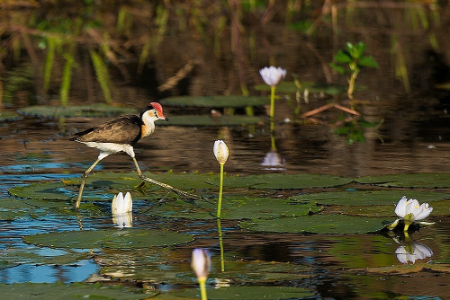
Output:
(272, 107)
(219, 204)
(407, 224)
(202, 283)
(222, 262)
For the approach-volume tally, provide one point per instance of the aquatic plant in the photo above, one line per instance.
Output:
(410, 211)
(354, 59)
(200, 264)
(221, 153)
(121, 207)
(272, 77)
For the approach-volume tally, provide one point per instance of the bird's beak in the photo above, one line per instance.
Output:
(164, 118)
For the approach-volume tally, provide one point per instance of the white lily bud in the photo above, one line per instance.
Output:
(200, 263)
(221, 152)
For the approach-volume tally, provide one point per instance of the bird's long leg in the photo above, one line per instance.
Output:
(83, 182)
(182, 194)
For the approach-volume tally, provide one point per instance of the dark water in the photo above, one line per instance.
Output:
(412, 135)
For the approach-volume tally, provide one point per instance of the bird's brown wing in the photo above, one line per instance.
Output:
(123, 130)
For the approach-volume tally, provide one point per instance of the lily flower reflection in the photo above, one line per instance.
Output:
(273, 161)
(412, 251)
(411, 211)
(121, 208)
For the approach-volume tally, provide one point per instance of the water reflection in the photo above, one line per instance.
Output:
(410, 251)
(123, 220)
(48, 273)
(273, 161)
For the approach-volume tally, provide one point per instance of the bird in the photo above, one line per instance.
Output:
(120, 135)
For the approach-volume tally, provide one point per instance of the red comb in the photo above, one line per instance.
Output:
(157, 106)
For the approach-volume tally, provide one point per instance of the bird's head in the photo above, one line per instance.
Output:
(154, 112)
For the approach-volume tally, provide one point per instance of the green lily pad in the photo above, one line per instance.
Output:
(8, 116)
(235, 208)
(123, 181)
(216, 101)
(369, 198)
(206, 120)
(35, 255)
(158, 272)
(322, 224)
(283, 181)
(91, 110)
(432, 180)
(117, 239)
(242, 293)
(71, 291)
(48, 191)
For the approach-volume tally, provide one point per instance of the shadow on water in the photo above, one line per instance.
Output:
(406, 102)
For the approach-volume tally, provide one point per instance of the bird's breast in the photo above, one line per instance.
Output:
(146, 130)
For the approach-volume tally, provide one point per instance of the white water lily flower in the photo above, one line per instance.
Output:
(200, 263)
(121, 204)
(221, 151)
(413, 252)
(412, 206)
(272, 76)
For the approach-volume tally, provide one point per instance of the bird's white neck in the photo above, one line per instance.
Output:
(149, 119)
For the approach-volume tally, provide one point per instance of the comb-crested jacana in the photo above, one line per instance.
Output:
(120, 135)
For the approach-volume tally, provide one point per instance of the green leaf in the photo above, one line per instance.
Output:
(207, 120)
(8, 116)
(242, 293)
(321, 224)
(216, 101)
(235, 208)
(369, 198)
(283, 181)
(368, 61)
(337, 68)
(115, 239)
(91, 110)
(71, 291)
(343, 57)
(420, 180)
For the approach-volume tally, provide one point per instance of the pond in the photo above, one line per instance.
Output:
(304, 205)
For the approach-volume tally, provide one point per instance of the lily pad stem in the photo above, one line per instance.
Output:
(272, 107)
(219, 230)
(219, 204)
(202, 283)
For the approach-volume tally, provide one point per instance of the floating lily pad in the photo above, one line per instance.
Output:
(206, 120)
(8, 116)
(158, 272)
(242, 293)
(369, 198)
(49, 191)
(283, 181)
(235, 208)
(216, 101)
(322, 224)
(29, 255)
(92, 110)
(130, 180)
(432, 180)
(117, 239)
(71, 291)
